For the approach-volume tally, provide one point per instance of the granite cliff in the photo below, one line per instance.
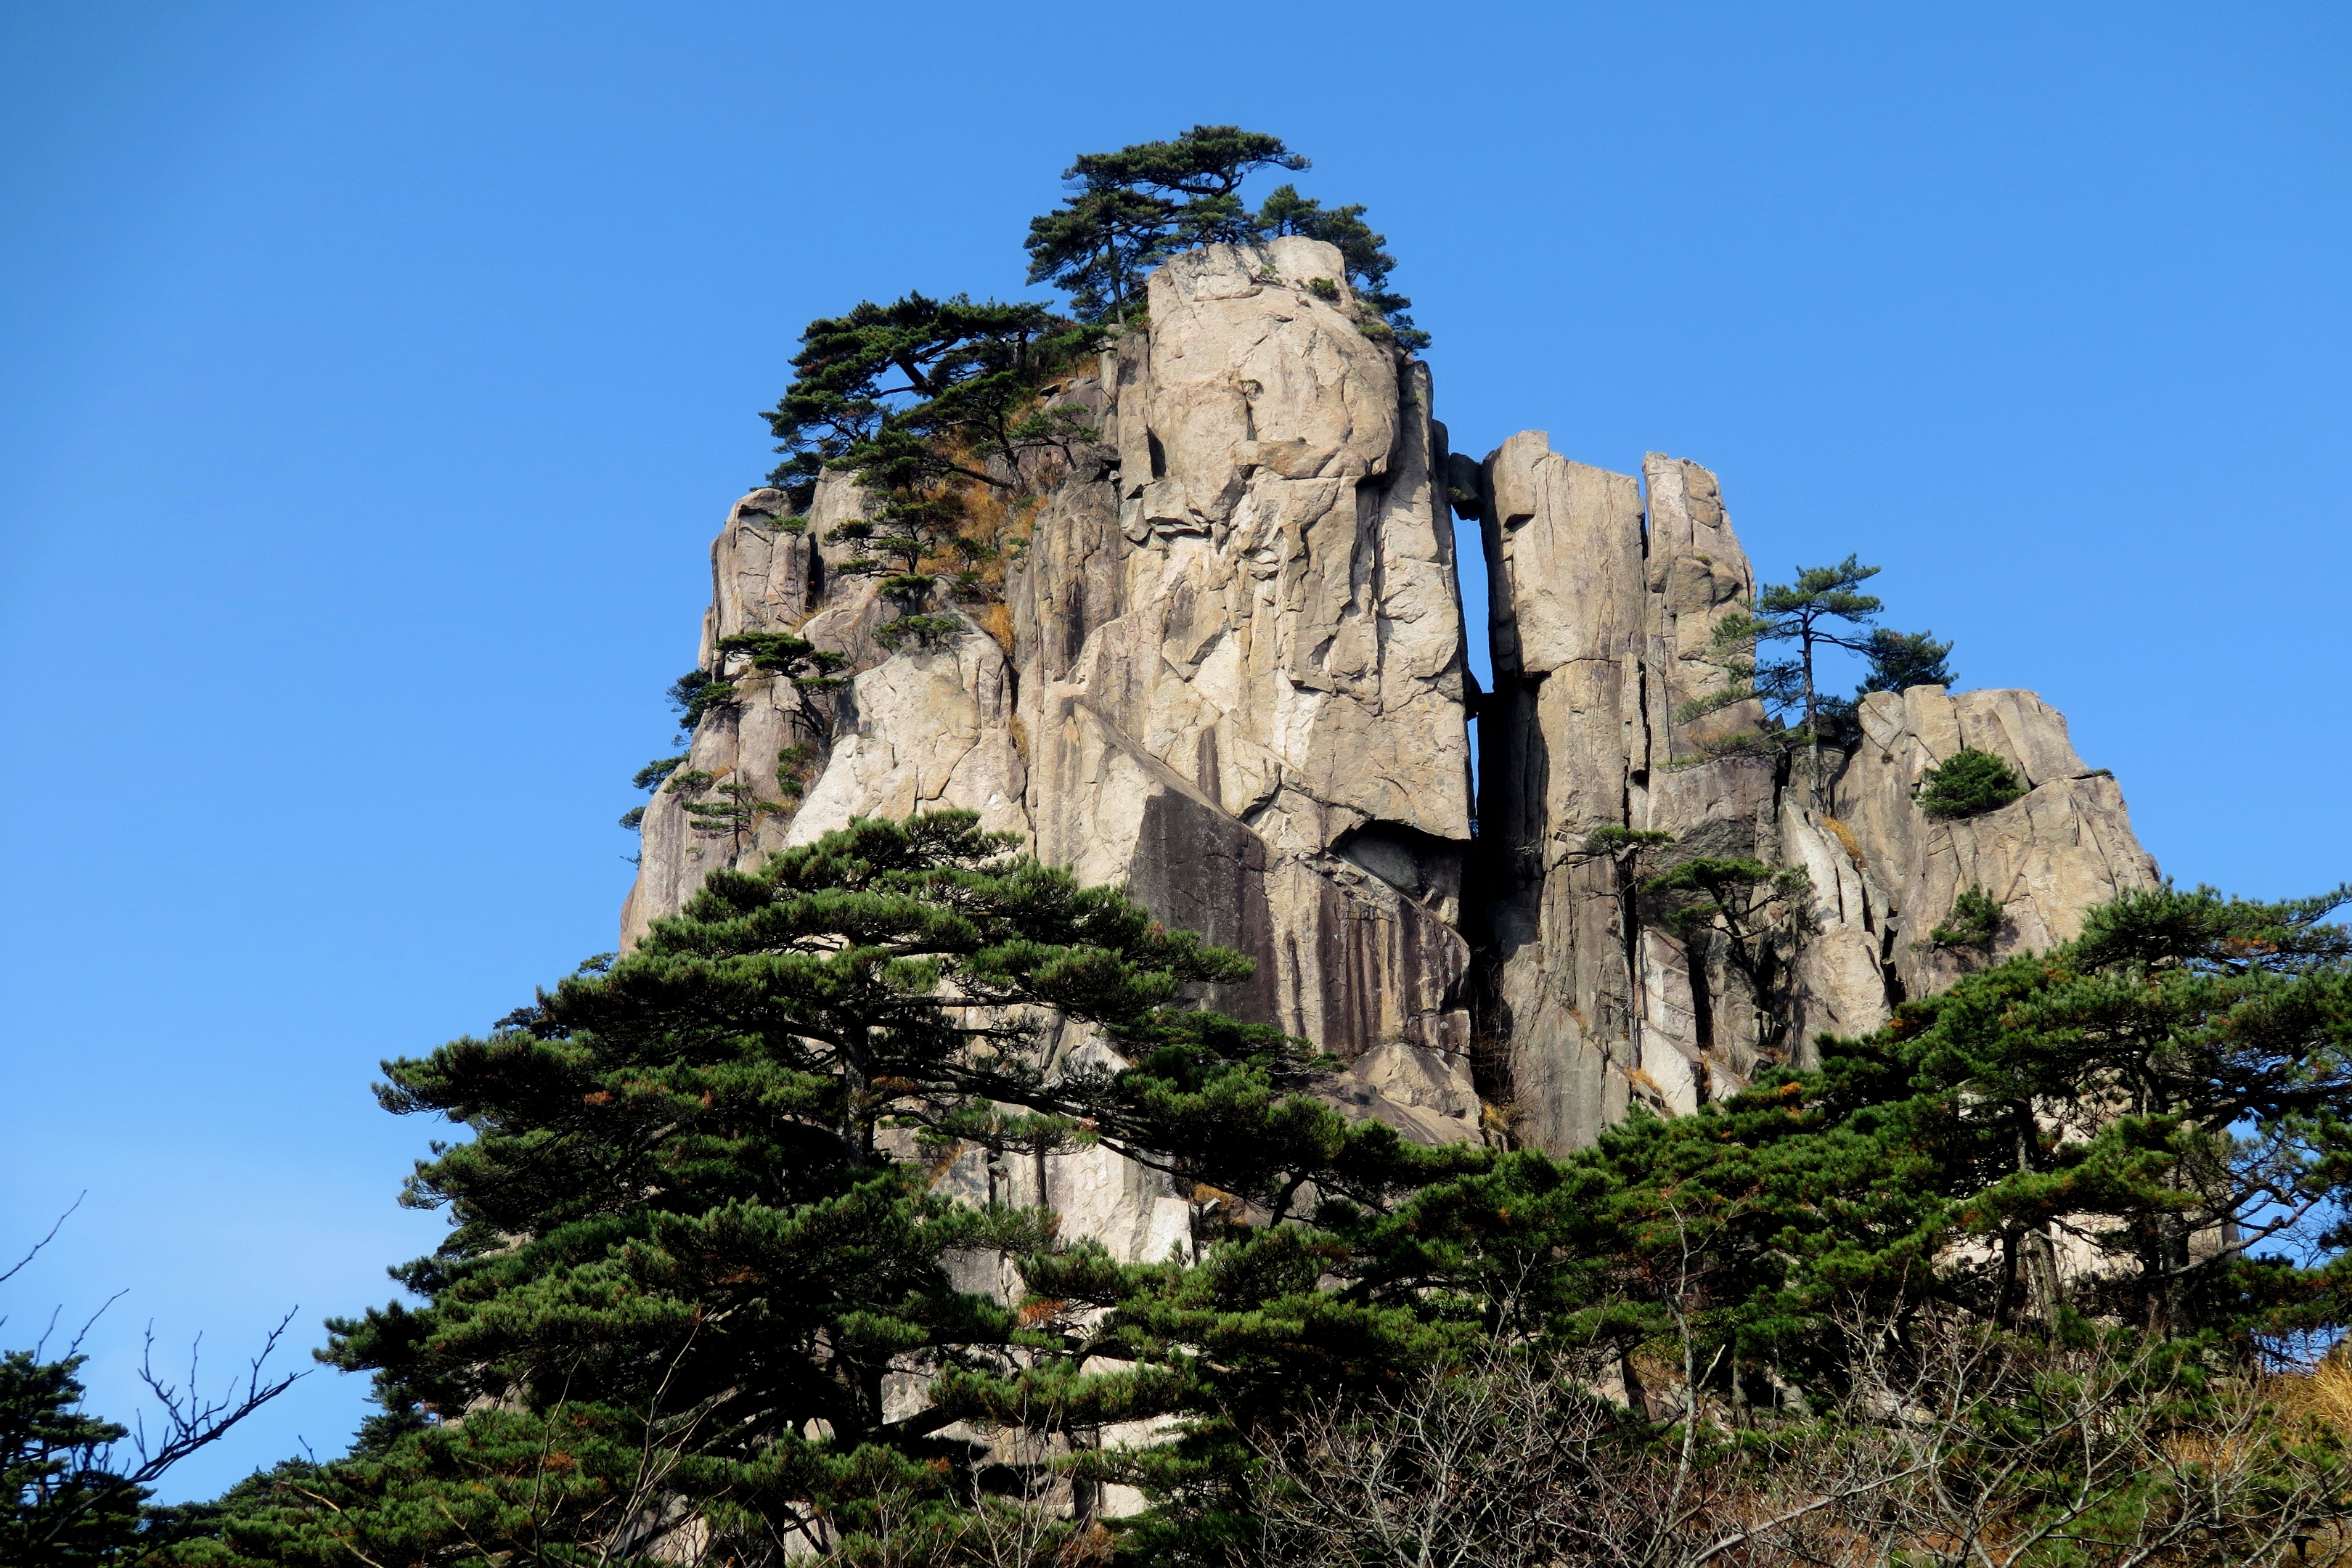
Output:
(1227, 667)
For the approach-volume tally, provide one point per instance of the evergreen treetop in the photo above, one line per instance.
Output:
(1131, 210)
(1902, 659)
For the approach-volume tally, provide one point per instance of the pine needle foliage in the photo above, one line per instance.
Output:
(1902, 659)
(928, 403)
(1975, 921)
(693, 1219)
(1969, 783)
(1131, 210)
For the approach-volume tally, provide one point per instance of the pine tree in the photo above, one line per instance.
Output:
(61, 1501)
(694, 1228)
(1367, 265)
(1804, 613)
(1758, 912)
(1132, 209)
(1969, 783)
(2167, 1090)
(923, 400)
(1901, 660)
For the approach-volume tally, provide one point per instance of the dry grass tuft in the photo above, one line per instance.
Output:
(996, 620)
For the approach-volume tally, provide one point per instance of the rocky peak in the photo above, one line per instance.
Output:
(1229, 671)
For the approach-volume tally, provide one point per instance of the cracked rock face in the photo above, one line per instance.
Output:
(2047, 858)
(1606, 589)
(1235, 683)
(1242, 651)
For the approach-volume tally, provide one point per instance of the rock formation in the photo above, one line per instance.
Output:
(1605, 593)
(1229, 671)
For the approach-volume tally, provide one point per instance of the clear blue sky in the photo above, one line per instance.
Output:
(377, 374)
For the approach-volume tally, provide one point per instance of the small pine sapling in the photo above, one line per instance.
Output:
(1969, 783)
(1975, 921)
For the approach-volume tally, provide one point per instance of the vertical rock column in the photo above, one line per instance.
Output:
(1243, 667)
(765, 576)
(1603, 629)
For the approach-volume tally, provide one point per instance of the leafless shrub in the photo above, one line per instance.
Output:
(1949, 1448)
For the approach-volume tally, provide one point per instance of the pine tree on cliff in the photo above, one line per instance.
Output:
(1806, 613)
(1902, 659)
(1367, 265)
(923, 400)
(1131, 210)
(697, 1271)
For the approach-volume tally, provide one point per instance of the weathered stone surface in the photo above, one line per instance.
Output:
(1236, 684)
(1256, 718)
(2049, 858)
(923, 731)
(918, 729)
(1600, 628)
(1606, 591)
(764, 577)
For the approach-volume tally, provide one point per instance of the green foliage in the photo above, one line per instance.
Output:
(1901, 660)
(1132, 209)
(793, 765)
(925, 631)
(731, 809)
(650, 777)
(922, 400)
(2167, 1088)
(1969, 783)
(1614, 840)
(1805, 613)
(814, 674)
(1369, 266)
(696, 694)
(61, 1498)
(694, 1217)
(1975, 921)
(633, 819)
(899, 394)
(795, 659)
(69, 1494)
(1757, 911)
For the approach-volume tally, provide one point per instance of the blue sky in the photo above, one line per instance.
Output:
(378, 374)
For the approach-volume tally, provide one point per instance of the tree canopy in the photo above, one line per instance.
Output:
(696, 1207)
(1131, 210)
